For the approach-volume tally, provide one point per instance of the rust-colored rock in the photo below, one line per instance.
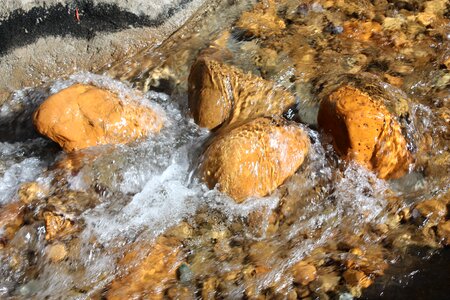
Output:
(220, 94)
(57, 226)
(255, 158)
(11, 219)
(364, 130)
(443, 231)
(151, 275)
(30, 191)
(304, 273)
(361, 31)
(83, 116)
(432, 210)
(56, 252)
(357, 278)
(262, 21)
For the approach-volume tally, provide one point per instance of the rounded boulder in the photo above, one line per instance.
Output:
(253, 159)
(82, 116)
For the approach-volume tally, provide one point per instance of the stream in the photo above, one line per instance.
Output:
(122, 209)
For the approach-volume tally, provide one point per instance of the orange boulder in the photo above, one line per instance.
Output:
(364, 130)
(83, 116)
(255, 158)
(220, 94)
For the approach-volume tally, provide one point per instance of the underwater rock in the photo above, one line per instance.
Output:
(443, 231)
(56, 252)
(151, 274)
(57, 226)
(432, 210)
(304, 273)
(262, 21)
(361, 31)
(357, 278)
(255, 158)
(364, 130)
(31, 191)
(220, 94)
(11, 219)
(83, 116)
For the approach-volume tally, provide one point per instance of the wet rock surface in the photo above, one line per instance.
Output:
(363, 130)
(83, 116)
(221, 95)
(253, 159)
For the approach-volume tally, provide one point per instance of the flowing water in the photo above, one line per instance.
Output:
(123, 199)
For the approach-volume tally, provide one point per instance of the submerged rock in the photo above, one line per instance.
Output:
(148, 276)
(220, 94)
(11, 219)
(82, 116)
(363, 130)
(255, 158)
(262, 21)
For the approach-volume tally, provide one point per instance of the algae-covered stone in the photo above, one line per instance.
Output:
(364, 130)
(83, 116)
(255, 158)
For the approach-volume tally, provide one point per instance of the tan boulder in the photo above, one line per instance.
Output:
(220, 94)
(363, 130)
(83, 116)
(255, 158)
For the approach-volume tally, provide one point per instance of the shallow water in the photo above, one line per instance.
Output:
(121, 198)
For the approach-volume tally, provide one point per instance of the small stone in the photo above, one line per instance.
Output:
(433, 210)
(83, 116)
(363, 130)
(149, 275)
(252, 160)
(56, 252)
(361, 31)
(394, 80)
(28, 192)
(393, 24)
(357, 279)
(11, 219)
(209, 288)
(443, 231)
(426, 18)
(262, 21)
(304, 273)
(57, 226)
(220, 94)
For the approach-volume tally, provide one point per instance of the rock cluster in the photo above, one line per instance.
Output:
(255, 150)
(83, 116)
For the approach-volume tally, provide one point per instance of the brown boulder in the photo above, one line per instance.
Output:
(255, 158)
(220, 94)
(364, 130)
(83, 116)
